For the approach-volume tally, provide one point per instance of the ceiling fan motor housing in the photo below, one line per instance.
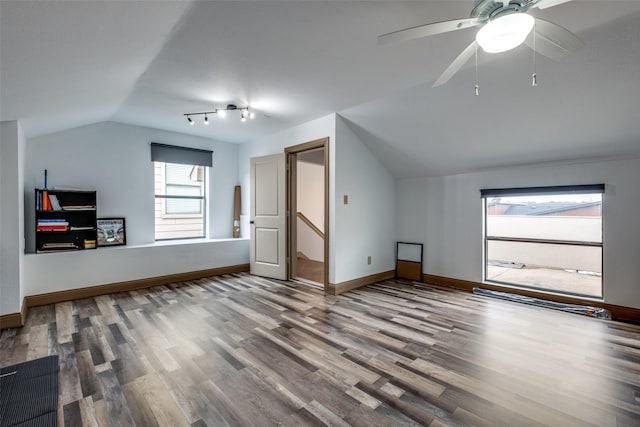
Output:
(489, 9)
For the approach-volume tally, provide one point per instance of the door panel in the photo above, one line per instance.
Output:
(268, 217)
(266, 241)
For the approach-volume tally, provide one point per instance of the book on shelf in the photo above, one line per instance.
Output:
(60, 245)
(52, 225)
(55, 204)
(52, 228)
(40, 200)
(71, 189)
(46, 222)
(45, 200)
(81, 228)
(78, 207)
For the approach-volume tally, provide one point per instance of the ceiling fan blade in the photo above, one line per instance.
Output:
(457, 63)
(545, 4)
(553, 41)
(429, 30)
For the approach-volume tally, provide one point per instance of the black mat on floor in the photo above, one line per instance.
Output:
(29, 393)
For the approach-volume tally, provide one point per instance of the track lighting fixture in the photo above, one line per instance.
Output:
(245, 113)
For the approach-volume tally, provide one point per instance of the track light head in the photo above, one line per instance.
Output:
(206, 120)
(191, 122)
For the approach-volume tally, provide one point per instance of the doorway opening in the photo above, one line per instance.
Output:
(308, 212)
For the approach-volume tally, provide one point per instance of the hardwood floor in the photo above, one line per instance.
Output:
(310, 270)
(240, 350)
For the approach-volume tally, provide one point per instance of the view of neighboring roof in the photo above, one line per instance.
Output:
(544, 208)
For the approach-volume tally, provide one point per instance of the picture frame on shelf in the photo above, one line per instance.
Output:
(111, 232)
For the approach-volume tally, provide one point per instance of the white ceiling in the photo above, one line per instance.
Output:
(67, 64)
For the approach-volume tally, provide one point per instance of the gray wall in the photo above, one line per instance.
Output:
(445, 213)
(12, 148)
(114, 159)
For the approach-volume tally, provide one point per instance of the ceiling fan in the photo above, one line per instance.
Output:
(504, 25)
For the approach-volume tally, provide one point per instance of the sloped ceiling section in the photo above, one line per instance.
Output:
(293, 61)
(584, 107)
(65, 64)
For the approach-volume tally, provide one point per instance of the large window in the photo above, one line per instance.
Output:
(180, 176)
(545, 238)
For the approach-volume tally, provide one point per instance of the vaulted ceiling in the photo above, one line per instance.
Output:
(67, 64)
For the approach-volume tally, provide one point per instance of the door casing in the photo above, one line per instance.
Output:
(291, 215)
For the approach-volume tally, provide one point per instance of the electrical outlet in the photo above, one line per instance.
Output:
(369, 260)
(345, 199)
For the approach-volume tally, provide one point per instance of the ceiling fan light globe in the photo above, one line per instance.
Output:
(505, 32)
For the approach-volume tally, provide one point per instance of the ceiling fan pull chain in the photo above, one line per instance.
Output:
(477, 87)
(534, 76)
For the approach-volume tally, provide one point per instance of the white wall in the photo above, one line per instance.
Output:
(115, 160)
(71, 270)
(276, 143)
(308, 242)
(366, 225)
(12, 158)
(445, 213)
(310, 192)
(310, 202)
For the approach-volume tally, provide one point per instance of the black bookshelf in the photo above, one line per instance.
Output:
(65, 220)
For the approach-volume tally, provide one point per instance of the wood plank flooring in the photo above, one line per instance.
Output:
(239, 350)
(310, 270)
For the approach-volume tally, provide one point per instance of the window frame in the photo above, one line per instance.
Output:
(485, 194)
(201, 188)
(202, 198)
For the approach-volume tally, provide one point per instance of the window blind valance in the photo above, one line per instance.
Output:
(182, 155)
(542, 191)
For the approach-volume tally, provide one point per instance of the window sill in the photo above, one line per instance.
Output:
(164, 243)
(180, 242)
(541, 293)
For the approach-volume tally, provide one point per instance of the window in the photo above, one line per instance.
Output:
(546, 238)
(180, 176)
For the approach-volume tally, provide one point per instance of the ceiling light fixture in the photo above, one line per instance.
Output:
(505, 32)
(245, 113)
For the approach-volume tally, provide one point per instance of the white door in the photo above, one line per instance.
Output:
(268, 217)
